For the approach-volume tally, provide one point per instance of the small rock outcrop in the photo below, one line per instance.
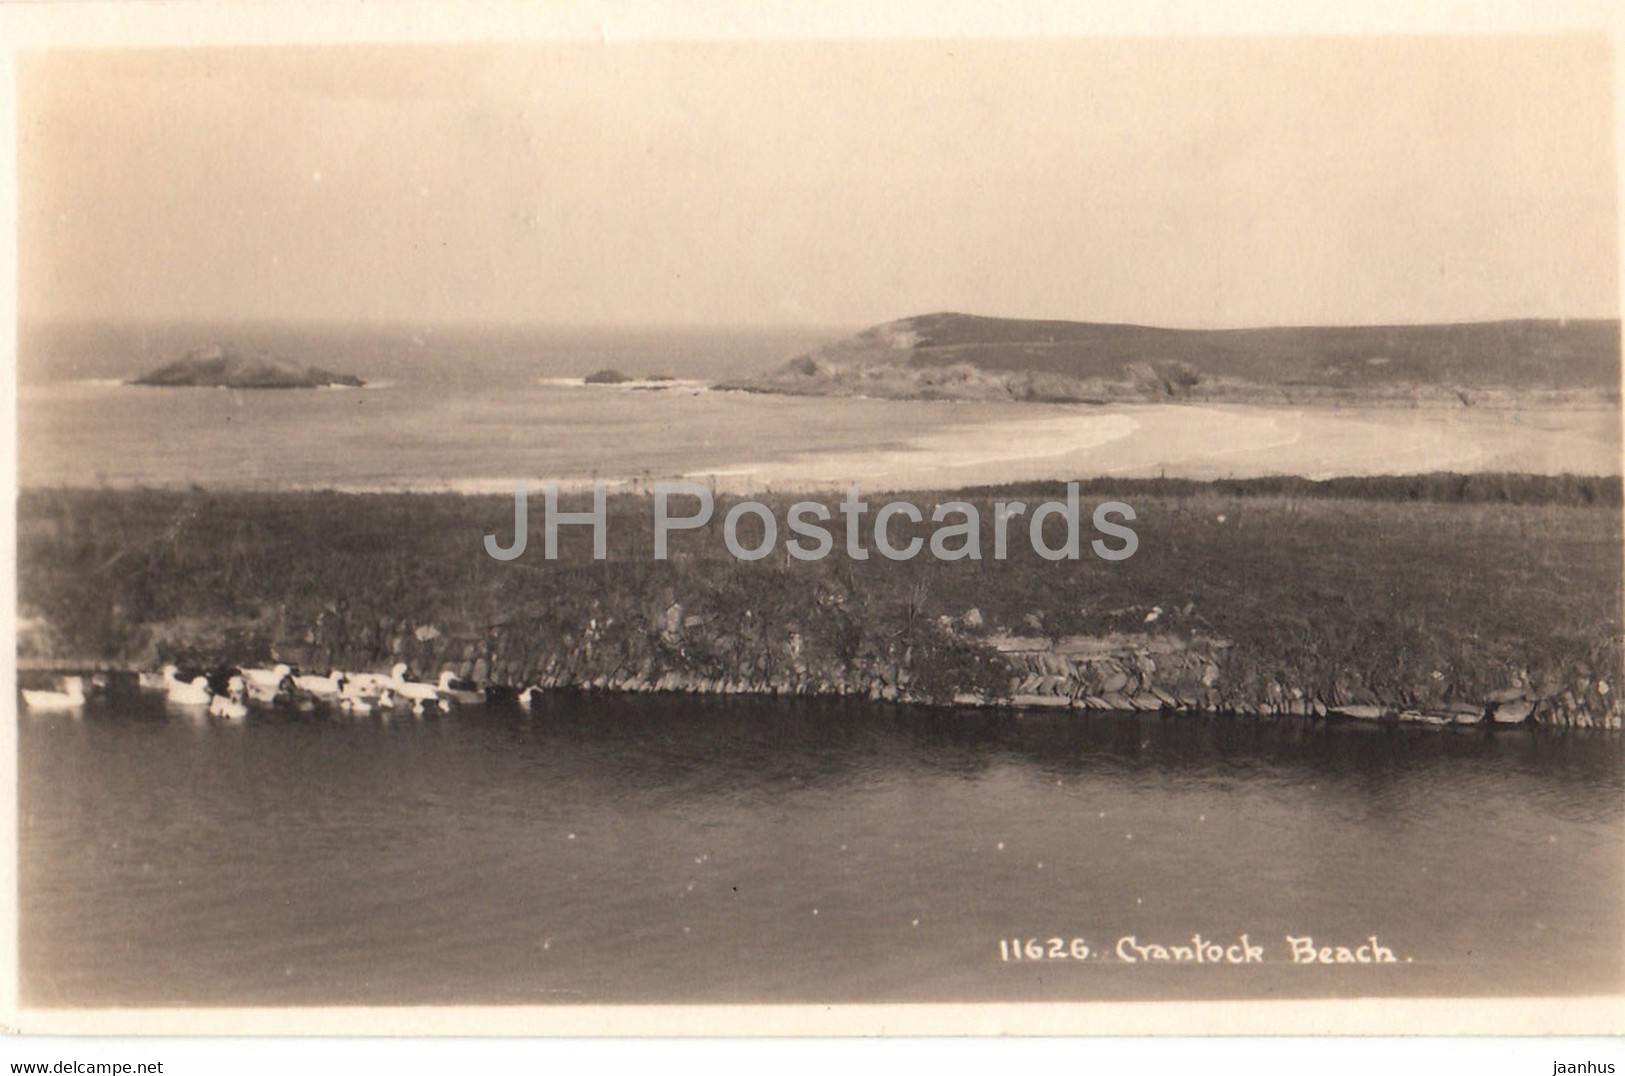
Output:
(218, 366)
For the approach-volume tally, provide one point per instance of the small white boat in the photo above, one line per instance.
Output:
(71, 697)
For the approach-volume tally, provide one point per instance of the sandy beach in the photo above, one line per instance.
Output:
(483, 436)
(1183, 441)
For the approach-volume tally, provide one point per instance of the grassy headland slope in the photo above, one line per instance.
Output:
(963, 356)
(1447, 595)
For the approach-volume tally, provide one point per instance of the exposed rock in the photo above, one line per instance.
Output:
(1017, 644)
(607, 376)
(1515, 712)
(1040, 701)
(218, 366)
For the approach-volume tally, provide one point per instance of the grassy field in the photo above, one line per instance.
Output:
(1526, 354)
(1404, 592)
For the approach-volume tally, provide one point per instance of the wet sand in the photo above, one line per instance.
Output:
(406, 437)
(1208, 442)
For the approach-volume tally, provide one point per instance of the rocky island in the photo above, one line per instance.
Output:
(962, 356)
(609, 375)
(219, 366)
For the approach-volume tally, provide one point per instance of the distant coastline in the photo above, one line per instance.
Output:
(962, 356)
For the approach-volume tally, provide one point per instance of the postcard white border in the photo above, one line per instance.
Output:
(32, 26)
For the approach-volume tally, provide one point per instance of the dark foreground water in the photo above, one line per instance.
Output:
(675, 850)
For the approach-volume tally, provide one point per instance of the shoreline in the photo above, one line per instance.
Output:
(1513, 708)
(1429, 600)
(1134, 440)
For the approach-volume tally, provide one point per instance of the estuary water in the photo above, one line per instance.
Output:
(650, 849)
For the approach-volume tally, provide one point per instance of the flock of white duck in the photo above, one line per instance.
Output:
(228, 696)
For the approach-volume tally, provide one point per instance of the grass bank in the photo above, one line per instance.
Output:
(1438, 594)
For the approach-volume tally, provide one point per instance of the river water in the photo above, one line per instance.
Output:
(659, 849)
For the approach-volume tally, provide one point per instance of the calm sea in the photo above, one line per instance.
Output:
(480, 408)
(459, 408)
(668, 850)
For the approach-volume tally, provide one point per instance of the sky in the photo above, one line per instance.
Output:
(1183, 181)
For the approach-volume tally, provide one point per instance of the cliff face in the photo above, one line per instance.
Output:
(948, 356)
(223, 367)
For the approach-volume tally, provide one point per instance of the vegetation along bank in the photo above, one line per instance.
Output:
(1443, 598)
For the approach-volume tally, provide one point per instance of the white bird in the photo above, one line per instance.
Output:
(413, 690)
(529, 697)
(227, 707)
(265, 684)
(419, 694)
(71, 697)
(370, 684)
(181, 693)
(355, 704)
(463, 696)
(322, 687)
(355, 700)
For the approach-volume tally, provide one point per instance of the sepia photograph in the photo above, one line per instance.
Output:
(726, 523)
